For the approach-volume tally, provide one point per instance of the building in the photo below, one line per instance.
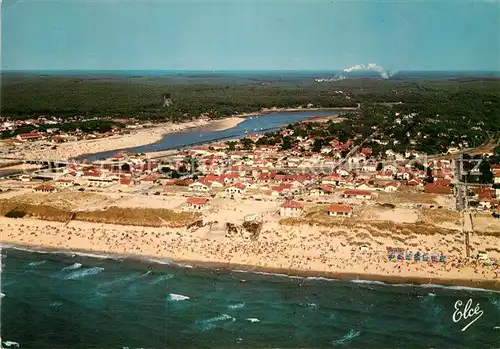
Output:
(45, 188)
(291, 209)
(321, 190)
(391, 187)
(33, 136)
(496, 176)
(199, 187)
(431, 188)
(237, 188)
(340, 210)
(64, 182)
(358, 194)
(196, 204)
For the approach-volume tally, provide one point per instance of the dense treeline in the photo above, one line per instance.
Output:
(447, 119)
(25, 97)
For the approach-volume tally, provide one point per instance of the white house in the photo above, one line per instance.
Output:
(196, 204)
(291, 209)
(237, 188)
(340, 210)
(199, 187)
(391, 187)
(496, 176)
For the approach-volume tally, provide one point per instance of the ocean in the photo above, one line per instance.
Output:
(56, 300)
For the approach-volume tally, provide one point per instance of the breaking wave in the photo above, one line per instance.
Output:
(252, 319)
(72, 267)
(348, 337)
(208, 324)
(83, 273)
(177, 297)
(236, 306)
(37, 263)
(161, 278)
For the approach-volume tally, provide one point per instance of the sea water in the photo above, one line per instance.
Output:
(71, 301)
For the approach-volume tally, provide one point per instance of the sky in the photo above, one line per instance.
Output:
(250, 35)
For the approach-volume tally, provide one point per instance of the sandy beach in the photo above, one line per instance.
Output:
(294, 250)
(135, 138)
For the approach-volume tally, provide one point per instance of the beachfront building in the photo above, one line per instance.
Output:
(291, 209)
(45, 188)
(357, 194)
(321, 190)
(199, 187)
(432, 188)
(64, 182)
(196, 204)
(237, 188)
(340, 210)
(391, 187)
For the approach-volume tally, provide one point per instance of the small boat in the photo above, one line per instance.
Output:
(243, 281)
(246, 131)
(250, 118)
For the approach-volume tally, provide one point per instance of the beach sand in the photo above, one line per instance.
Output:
(301, 250)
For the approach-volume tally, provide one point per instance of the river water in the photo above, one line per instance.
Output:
(63, 301)
(255, 124)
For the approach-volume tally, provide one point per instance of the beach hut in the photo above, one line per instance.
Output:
(425, 258)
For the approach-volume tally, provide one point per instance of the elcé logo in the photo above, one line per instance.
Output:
(466, 313)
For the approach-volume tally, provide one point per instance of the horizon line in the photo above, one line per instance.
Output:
(243, 70)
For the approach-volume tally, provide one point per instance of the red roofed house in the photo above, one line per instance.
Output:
(431, 188)
(323, 189)
(237, 188)
(65, 182)
(358, 194)
(199, 185)
(196, 203)
(340, 210)
(391, 187)
(291, 209)
(33, 136)
(126, 181)
(45, 188)
(496, 175)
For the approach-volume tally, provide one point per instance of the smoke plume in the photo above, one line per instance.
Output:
(384, 73)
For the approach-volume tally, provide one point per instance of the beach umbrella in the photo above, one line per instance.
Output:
(400, 257)
(434, 258)
(391, 255)
(416, 257)
(442, 258)
(408, 256)
(426, 257)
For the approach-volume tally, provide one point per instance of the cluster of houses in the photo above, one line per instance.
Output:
(54, 135)
(266, 172)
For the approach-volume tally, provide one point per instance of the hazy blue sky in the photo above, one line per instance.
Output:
(214, 35)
